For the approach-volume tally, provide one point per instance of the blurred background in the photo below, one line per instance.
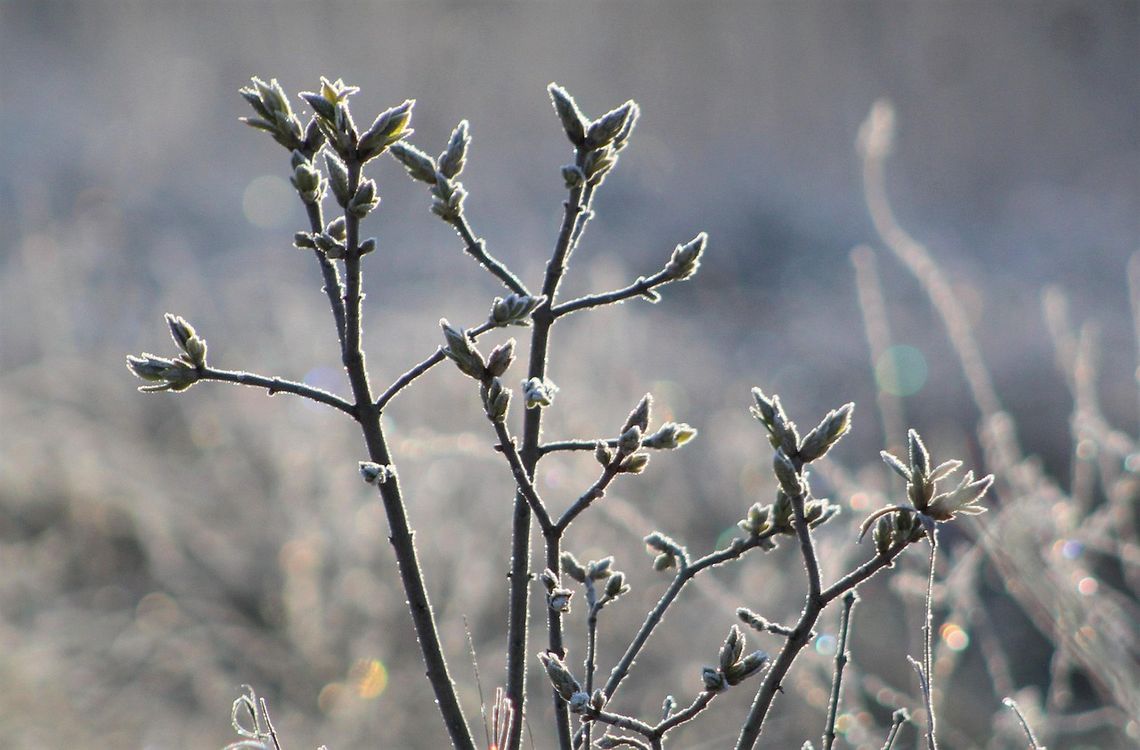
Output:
(157, 552)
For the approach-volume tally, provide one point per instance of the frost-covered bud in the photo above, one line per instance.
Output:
(686, 258)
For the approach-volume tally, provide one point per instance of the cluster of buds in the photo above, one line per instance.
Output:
(592, 573)
(275, 117)
(496, 399)
(332, 116)
(782, 433)
(628, 458)
(667, 552)
(597, 141)
(898, 524)
(172, 374)
(439, 174)
(358, 201)
(461, 350)
(734, 665)
(307, 179)
(514, 309)
(557, 596)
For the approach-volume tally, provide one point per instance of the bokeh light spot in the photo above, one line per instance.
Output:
(1087, 586)
(267, 201)
(369, 677)
(331, 697)
(1072, 549)
(955, 638)
(901, 371)
(825, 644)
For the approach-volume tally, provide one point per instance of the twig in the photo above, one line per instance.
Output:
(841, 657)
(477, 249)
(898, 718)
(637, 289)
(406, 379)
(333, 289)
(1011, 704)
(928, 645)
(597, 490)
(523, 482)
(277, 385)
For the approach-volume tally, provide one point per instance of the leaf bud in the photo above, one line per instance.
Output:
(670, 436)
(364, 200)
(630, 440)
(338, 178)
(605, 129)
(452, 160)
(616, 585)
(573, 121)
(500, 358)
(827, 433)
(634, 464)
(686, 258)
(538, 392)
(304, 241)
(560, 676)
(572, 567)
(187, 340)
(603, 453)
(573, 176)
(460, 349)
(640, 414)
(713, 679)
(597, 570)
(374, 473)
(579, 702)
(746, 667)
(419, 165)
(368, 246)
(790, 480)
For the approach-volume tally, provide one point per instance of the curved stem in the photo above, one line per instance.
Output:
(406, 379)
(636, 289)
(841, 657)
(477, 249)
(277, 385)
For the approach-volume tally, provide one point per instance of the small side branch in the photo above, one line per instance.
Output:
(406, 379)
(841, 657)
(522, 480)
(596, 491)
(643, 287)
(477, 249)
(277, 385)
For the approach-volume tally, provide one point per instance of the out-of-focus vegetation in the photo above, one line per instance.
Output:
(159, 552)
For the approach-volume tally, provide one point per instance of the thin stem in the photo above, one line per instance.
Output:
(574, 445)
(807, 547)
(401, 536)
(685, 573)
(406, 379)
(597, 490)
(1011, 704)
(841, 657)
(928, 647)
(333, 288)
(277, 385)
(636, 289)
(686, 714)
(477, 249)
(898, 718)
(523, 482)
(577, 208)
(591, 650)
(799, 638)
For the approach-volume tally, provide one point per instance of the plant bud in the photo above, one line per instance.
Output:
(374, 473)
(827, 433)
(501, 358)
(670, 436)
(640, 414)
(560, 676)
(579, 702)
(419, 165)
(746, 667)
(603, 454)
(572, 567)
(790, 481)
(338, 178)
(686, 259)
(452, 160)
(365, 199)
(713, 679)
(634, 464)
(573, 121)
(605, 129)
(616, 585)
(572, 176)
(630, 440)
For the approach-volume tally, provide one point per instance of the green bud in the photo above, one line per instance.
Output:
(603, 454)
(187, 339)
(598, 163)
(560, 676)
(338, 178)
(919, 457)
(630, 440)
(496, 400)
(714, 680)
(746, 667)
(388, 128)
(337, 228)
(670, 436)
(616, 585)
(732, 649)
(364, 200)
(572, 567)
(790, 481)
(368, 246)
(579, 702)
(304, 241)
(605, 129)
(501, 358)
(756, 522)
(460, 349)
(515, 309)
(573, 176)
(634, 464)
(452, 160)
(596, 570)
(573, 121)
(827, 433)
(419, 165)
(640, 414)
